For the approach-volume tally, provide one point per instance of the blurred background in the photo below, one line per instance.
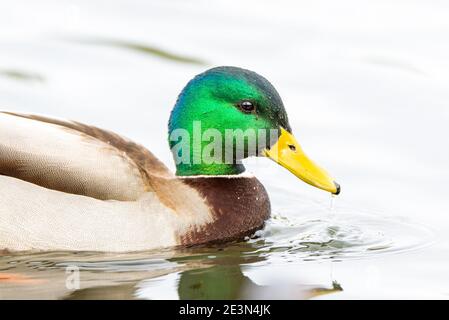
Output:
(366, 87)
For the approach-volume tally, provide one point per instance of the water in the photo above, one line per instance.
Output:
(332, 203)
(192, 273)
(322, 236)
(366, 100)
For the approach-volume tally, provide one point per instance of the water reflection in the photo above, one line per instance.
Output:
(229, 282)
(211, 272)
(203, 277)
(216, 282)
(214, 271)
(20, 75)
(142, 48)
(195, 273)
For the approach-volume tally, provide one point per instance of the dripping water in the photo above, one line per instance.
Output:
(332, 205)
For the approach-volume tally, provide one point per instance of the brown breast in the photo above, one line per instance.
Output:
(239, 205)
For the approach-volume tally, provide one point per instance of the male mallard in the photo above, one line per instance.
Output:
(69, 186)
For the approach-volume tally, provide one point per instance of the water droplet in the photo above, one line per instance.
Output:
(332, 203)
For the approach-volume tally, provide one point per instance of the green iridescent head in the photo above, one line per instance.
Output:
(220, 104)
(227, 114)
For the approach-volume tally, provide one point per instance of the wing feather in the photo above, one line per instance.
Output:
(75, 158)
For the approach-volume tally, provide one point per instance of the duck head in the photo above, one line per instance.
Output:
(227, 114)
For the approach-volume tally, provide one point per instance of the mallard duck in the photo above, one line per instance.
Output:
(65, 185)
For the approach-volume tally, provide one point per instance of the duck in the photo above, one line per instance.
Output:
(68, 186)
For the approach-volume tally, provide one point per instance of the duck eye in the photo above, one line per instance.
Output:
(292, 147)
(247, 106)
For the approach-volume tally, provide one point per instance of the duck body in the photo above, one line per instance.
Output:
(69, 186)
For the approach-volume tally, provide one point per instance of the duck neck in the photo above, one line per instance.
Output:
(221, 169)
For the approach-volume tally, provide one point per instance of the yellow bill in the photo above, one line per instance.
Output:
(288, 153)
